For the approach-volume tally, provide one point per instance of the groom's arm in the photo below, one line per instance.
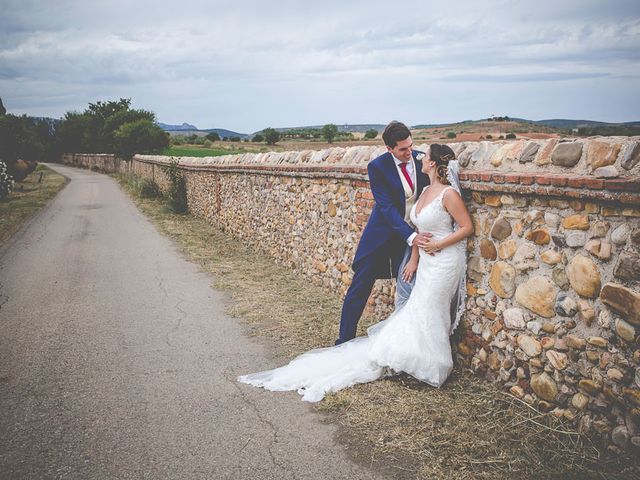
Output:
(383, 197)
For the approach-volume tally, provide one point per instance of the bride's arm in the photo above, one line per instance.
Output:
(412, 265)
(454, 204)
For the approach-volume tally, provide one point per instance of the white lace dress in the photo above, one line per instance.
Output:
(414, 339)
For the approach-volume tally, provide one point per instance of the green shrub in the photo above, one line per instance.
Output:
(177, 193)
(489, 136)
(371, 133)
(510, 136)
(147, 188)
(451, 134)
(271, 135)
(140, 136)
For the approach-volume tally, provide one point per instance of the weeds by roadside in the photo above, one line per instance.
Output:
(27, 198)
(177, 192)
(141, 187)
(469, 429)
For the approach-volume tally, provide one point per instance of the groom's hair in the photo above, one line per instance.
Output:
(394, 132)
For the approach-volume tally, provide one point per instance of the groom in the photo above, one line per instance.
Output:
(396, 181)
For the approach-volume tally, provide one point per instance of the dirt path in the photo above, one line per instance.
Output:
(117, 360)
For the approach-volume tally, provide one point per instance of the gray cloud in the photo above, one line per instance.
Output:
(246, 65)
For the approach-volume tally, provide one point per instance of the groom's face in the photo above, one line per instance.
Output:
(402, 150)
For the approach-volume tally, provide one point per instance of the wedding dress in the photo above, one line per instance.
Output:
(414, 339)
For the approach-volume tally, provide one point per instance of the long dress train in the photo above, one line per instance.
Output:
(414, 339)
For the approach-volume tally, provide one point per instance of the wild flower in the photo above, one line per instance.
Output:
(6, 181)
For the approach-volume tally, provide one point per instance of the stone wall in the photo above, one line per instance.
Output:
(554, 265)
(102, 162)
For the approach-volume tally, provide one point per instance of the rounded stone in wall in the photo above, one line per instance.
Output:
(624, 330)
(539, 236)
(514, 319)
(576, 222)
(502, 279)
(622, 299)
(599, 248)
(631, 156)
(529, 152)
(501, 229)
(529, 345)
(544, 386)
(566, 306)
(488, 249)
(574, 239)
(538, 294)
(601, 154)
(608, 171)
(584, 276)
(567, 154)
(557, 359)
(620, 235)
(560, 278)
(628, 266)
(506, 249)
(551, 257)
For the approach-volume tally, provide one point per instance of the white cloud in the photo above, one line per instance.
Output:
(246, 65)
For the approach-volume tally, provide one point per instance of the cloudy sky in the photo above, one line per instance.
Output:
(246, 65)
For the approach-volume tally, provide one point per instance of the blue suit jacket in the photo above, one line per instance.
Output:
(385, 237)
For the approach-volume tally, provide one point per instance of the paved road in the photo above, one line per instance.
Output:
(117, 361)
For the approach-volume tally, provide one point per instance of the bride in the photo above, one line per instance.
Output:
(415, 338)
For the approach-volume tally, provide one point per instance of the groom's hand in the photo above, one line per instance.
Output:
(422, 239)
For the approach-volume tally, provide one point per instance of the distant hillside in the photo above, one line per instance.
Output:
(587, 127)
(175, 128)
(188, 129)
(226, 133)
(553, 122)
(439, 125)
(566, 123)
(341, 128)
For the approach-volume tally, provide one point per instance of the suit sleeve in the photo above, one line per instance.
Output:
(383, 198)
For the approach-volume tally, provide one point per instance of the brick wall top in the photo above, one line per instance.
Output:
(600, 157)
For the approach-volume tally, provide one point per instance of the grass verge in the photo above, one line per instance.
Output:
(28, 198)
(469, 429)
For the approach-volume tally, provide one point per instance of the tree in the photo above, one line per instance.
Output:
(94, 130)
(371, 133)
(451, 134)
(20, 138)
(213, 137)
(271, 136)
(141, 136)
(329, 132)
(258, 138)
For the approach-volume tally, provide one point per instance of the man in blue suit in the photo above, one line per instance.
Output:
(396, 181)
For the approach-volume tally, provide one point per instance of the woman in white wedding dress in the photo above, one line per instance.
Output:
(415, 338)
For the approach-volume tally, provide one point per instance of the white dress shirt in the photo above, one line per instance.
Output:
(411, 170)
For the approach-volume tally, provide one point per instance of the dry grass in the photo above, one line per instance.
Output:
(28, 197)
(467, 429)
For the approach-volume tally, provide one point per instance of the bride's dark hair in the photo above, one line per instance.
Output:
(442, 155)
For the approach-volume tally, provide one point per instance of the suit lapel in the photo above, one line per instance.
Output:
(392, 174)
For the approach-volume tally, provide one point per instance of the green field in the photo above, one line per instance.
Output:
(193, 151)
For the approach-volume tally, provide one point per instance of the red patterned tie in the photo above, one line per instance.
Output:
(403, 167)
